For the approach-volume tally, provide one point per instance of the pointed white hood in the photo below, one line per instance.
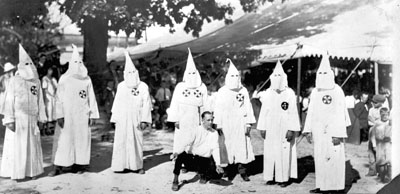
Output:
(26, 68)
(232, 78)
(131, 74)
(325, 77)
(76, 68)
(191, 76)
(278, 78)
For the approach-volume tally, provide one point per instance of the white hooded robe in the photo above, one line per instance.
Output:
(326, 118)
(233, 113)
(187, 103)
(76, 103)
(22, 155)
(132, 105)
(279, 114)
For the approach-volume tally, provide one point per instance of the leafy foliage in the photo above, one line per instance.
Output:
(26, 22)
(135, 16)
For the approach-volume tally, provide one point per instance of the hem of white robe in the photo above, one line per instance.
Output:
(119, 169)
(70, 164)
(268, 178)
(330, 188)
(26, 175)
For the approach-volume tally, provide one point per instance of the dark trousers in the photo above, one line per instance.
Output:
(204, 166)
(364, 133)
(232, 169)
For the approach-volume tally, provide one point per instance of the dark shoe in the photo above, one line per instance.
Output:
(184, 170)
(52, 173)
(175, 186)
(245, 177)
(284, 184)
(141, 171)
(270, 183)
(203, 181)
(80, 169)
(333, 191)
(56, 171)
(317, 190)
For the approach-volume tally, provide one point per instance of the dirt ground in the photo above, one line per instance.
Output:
(158, 177)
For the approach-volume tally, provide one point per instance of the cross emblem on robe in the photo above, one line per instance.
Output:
(327, 99)
(197, 93)
(34, 90)
(240, 97)
(82, 94)
(186, 93)
(135, 91)
(284, 105)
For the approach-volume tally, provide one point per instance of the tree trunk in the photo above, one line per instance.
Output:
(95, 41)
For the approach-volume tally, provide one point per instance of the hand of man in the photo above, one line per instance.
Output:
(248, 129)
(176, 125)
(91, 122)
(289, 135)
(220, 132)
(308, 137)
(335, 141)
(61, 122)
(143, 125)
(263, 134)
(11, 126)
(173, 156)
(219, 169)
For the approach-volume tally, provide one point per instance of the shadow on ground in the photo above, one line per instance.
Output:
(305, 165)
(20, 191)
(352, 176)
(154, 159)
(101, 155)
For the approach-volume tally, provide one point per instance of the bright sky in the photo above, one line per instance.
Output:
(156, 34)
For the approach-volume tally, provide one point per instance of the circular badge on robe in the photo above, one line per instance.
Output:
(197, 93)
(186, 93)
(34, 90)
(327, 99)
(135, 91)
(82, 94)
(284, 105)
(240, 97)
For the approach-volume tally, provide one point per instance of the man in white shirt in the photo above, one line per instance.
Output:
(199, 151)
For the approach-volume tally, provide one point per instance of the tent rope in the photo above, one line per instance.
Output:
(359, 63)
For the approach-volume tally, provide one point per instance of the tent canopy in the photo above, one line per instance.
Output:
(344, 29)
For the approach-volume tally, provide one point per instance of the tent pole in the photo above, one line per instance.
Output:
(298, 85)
(395, 112)
(376, 78)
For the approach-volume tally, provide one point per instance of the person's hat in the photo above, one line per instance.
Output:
(378, 98)
(8, 67)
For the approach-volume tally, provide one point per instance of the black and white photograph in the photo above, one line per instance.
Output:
(199, 96)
